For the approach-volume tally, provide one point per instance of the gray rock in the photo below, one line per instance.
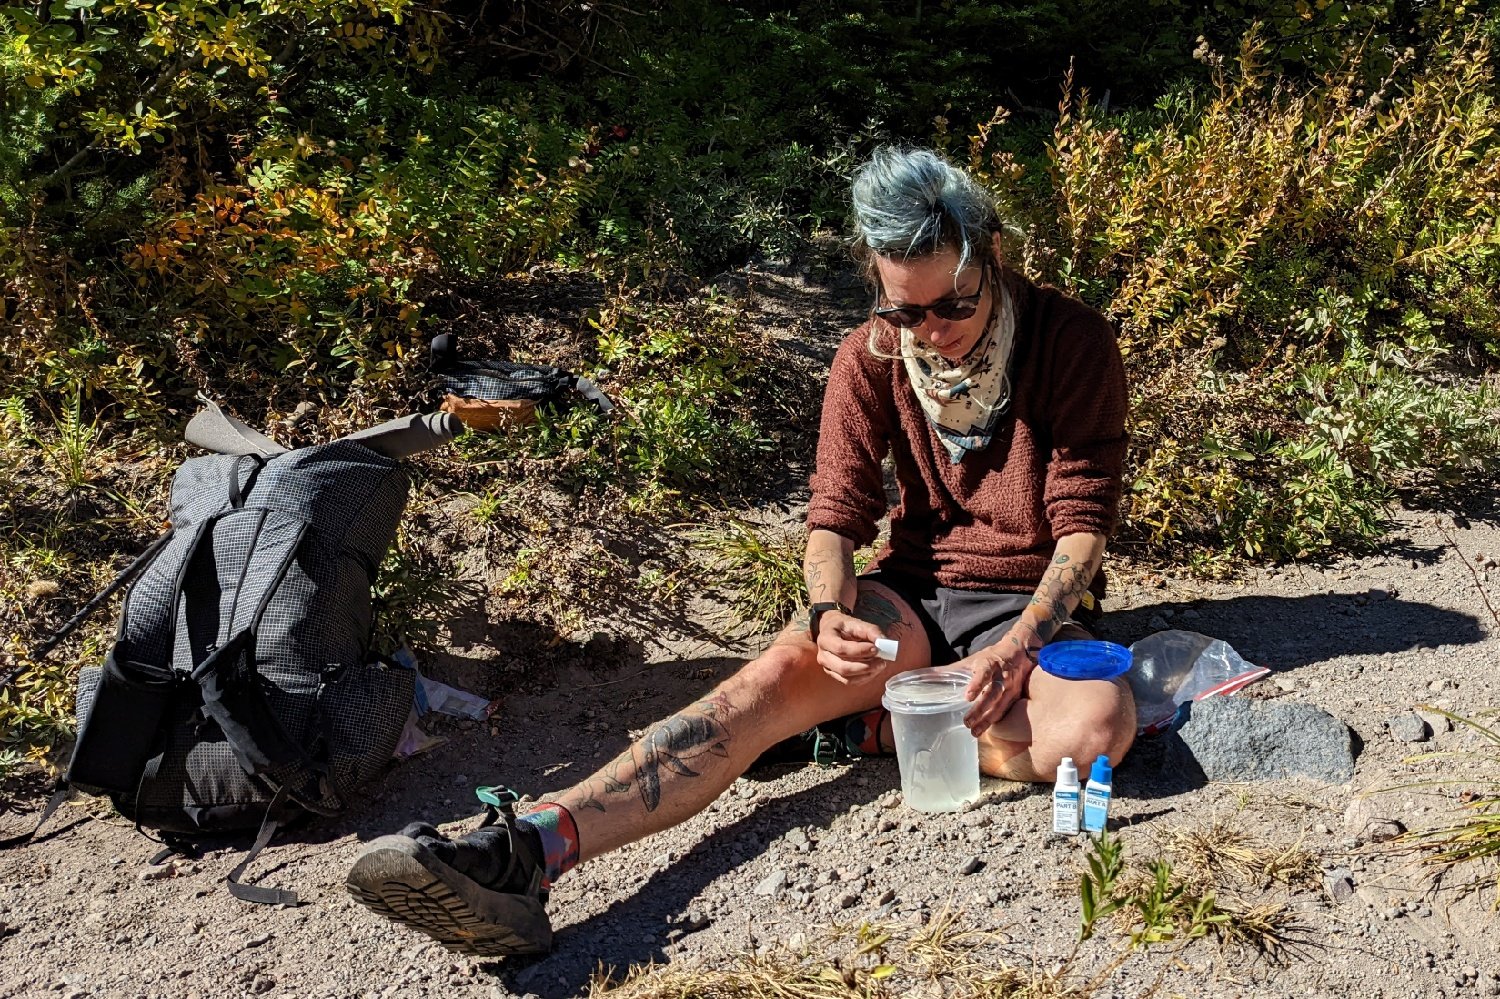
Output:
(1234, 738)
(1408, 727)
(1340, 884)
(772, 883)
(970, 866)
(1383, 832)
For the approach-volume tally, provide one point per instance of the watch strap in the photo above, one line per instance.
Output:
(816, 611)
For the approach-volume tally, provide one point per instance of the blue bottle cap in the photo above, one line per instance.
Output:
(1102, 772)
(1089, 660)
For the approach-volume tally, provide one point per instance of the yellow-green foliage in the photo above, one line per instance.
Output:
(1290, 270)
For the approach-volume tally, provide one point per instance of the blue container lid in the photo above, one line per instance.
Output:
(1085, 660)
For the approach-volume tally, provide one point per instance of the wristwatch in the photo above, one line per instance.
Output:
(816, 611)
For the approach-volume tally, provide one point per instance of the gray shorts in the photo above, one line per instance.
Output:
(961, 622)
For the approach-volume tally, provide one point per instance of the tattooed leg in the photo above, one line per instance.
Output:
(881, 611)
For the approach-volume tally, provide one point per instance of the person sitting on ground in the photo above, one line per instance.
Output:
(1001, 406)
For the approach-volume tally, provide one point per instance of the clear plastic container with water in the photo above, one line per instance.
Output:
(938, 756)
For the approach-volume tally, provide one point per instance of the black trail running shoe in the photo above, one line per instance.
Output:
(479, 894)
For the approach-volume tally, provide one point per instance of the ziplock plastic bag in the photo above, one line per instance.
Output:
(1171, 668)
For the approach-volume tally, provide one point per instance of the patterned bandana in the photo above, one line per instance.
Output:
(965, 399)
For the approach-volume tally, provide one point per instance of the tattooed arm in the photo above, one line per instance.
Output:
(1001, 671)
(828, 568)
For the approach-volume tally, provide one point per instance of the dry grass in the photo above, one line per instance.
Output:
(1224, 857)
(1469, 844)
(871, 961)
(1218, 880)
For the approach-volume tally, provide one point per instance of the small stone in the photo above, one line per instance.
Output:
(1322, 829)
(971, 865)
(772, 884)
(886, 897)
(159, 872)
(976, 820)
(1158, 623)
(848, 900)
(1436, 720)
(1408, 727)
(1383, 832)
(262, 984)
(258, 940)
(1339, 883)
(1469, 971)
(746, 790)
(1283, 684)
(796, 837)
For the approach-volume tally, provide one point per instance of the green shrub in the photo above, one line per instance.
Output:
(1283, 267)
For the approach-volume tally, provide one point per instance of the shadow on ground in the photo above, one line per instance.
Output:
(1284, 633)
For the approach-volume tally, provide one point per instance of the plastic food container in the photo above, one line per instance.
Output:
(938, 756)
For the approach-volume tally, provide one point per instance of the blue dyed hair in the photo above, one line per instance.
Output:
(913, 203)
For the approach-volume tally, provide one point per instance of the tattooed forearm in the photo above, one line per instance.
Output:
(827, 567)
(1061, 589)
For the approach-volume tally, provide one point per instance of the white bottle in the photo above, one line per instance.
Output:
(1065, 798)
(1096, 796)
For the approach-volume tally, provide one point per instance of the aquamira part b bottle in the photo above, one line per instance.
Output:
(1065, 798)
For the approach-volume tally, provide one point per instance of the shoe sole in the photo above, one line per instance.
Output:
(398, 878)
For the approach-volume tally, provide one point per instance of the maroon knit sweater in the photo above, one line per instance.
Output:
(989, 522)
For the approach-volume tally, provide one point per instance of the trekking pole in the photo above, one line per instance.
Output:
(76, 621)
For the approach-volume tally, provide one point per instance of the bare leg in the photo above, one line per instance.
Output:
(683, 763)
(1083, 719)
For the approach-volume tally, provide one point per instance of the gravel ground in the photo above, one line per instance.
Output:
(775, 861)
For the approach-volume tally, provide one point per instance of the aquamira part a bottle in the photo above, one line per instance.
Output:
(1065, 798)
(1096, 796)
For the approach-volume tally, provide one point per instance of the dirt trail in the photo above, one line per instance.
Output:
(81, 914)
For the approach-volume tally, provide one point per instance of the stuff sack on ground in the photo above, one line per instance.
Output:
(491, 394)
(241, 690)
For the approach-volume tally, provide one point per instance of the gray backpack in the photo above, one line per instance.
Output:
(241, 690)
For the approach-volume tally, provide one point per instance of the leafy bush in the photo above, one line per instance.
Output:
(1285, 267)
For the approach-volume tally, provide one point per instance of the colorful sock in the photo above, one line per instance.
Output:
(559, 835)
(864, 731)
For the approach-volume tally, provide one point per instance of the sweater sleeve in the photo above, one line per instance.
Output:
(1089, 400)
(848, 489)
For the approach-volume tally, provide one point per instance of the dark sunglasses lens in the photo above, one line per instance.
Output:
(902, 317)
(959, 308)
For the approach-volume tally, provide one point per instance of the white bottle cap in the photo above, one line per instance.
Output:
(886, 648)
(1067, 772)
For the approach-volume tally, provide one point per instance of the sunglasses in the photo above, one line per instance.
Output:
(951, 309)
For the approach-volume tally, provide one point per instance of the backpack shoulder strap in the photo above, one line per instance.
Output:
(232, 697)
